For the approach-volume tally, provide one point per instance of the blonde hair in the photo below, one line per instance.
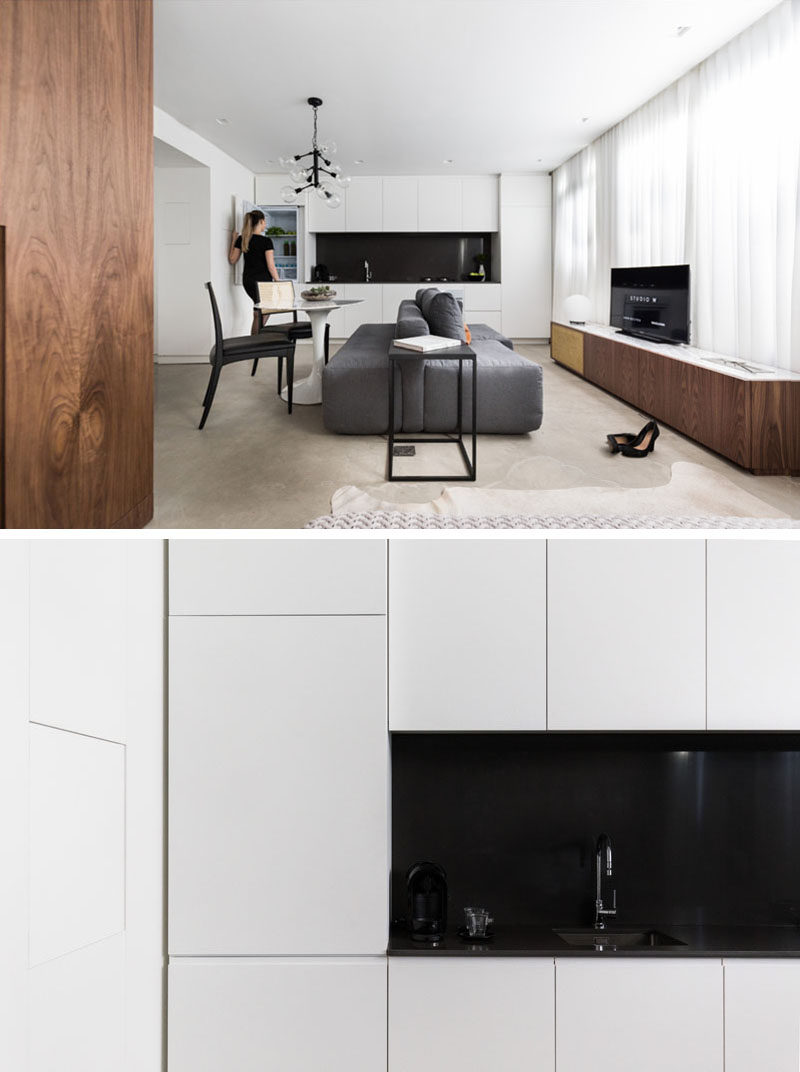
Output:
(250, 221)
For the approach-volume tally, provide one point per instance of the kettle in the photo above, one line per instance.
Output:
(427, 901)
(320, 274)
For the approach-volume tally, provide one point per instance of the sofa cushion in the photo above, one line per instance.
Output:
(445, 317)
(410, 321)
(481, 332)
(425, 297)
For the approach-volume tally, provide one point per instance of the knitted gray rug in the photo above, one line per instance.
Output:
(395, 519)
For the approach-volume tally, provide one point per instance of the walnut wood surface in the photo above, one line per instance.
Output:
(755, 423)
(76, 196)
(2, 368)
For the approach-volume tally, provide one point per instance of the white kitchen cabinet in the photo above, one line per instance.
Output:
(467, 644)
(277, 577)
(489, 317)
(292, 1015)
(526, 271)
(753, 635)
(364, 204)
(322, 219)
(278, 785)
(479, 203)
(626, 634)
(762, 1015)
(368, 311)
(268, 190)
(471, 1014)
(624, 1015)
(393, 294)
(439, 203)
(400, 203)
(483, 296)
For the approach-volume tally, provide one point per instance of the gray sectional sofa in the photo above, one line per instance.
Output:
(355, 387)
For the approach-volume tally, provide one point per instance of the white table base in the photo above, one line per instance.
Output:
(308, 392)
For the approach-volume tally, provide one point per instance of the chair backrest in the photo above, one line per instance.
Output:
(278, 295)
(217, 321)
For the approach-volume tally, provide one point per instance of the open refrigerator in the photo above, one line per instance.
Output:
(285, 226)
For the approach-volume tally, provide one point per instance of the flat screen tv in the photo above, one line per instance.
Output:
(651, 303)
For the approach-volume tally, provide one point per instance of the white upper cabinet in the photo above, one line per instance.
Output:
(753, 635)
(321, 218)
(277, 576)
(471, 1014)
(278, 756)
(467, 646)
(297, 1015)
(400, 205)
(268, 190)
(479, 203)
(364, 204)
(626, 637)
(439, 203)
(625, 1015)
(762, 1015)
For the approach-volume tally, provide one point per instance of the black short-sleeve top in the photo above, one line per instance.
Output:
(255, 259)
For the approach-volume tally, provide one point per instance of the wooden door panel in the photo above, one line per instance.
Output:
(76, 177)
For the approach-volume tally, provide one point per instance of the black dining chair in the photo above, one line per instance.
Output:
(245, 348)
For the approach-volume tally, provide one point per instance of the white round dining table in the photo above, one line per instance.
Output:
(308, 392)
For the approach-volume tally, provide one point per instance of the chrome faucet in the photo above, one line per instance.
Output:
(600, 912)
(367, 272)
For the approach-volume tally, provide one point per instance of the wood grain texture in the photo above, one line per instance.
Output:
(2, 370)
(76, 188)
(712, 408)
(776, 427)
(613, 366)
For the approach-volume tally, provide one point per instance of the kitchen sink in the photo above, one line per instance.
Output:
(589, 938)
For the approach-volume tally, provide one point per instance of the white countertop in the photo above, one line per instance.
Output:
(689, 354)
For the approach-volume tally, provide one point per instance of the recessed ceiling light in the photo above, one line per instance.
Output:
(358, 161)
(585, 119)
(683, 30)
(222, 122)
(447, 161)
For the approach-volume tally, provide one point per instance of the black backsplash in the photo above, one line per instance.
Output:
(705, 828)
(402, 258)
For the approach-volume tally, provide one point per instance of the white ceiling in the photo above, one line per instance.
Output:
(494, 85)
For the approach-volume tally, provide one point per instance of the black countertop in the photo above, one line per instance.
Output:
(511, 941)
(342, 280)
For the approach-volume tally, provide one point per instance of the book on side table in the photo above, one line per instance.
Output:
(425, 343)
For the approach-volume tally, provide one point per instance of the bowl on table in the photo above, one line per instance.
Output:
(318, 294)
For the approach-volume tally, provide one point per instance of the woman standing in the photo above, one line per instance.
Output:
(259, 258)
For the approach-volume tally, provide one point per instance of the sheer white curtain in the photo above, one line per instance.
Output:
(706, 173)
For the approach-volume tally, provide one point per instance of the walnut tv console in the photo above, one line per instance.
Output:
(753, 418)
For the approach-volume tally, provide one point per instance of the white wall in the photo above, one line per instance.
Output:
(81, 805)
(183, 260)
(228, 179)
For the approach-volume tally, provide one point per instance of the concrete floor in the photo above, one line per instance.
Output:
(254, 466)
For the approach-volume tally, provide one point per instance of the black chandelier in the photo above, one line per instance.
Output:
(310, 175)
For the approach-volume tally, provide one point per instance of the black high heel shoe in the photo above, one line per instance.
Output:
(644, 442)
(619, 440)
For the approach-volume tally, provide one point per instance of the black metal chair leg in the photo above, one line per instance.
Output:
(280, 372)
(210, 392)
(255, 366)
(327, 342)
(290, 376)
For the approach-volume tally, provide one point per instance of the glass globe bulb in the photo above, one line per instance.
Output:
(335, 170)
(286, 162)
(288, 195)
(333, 201)
(328, 148)
(324, 191)
(298, 174)
(343, 181)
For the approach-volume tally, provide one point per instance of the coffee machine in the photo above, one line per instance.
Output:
(427, 901)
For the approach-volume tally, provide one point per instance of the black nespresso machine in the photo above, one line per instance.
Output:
(427, 902)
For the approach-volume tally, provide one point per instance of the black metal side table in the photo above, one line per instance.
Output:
(397, 354)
